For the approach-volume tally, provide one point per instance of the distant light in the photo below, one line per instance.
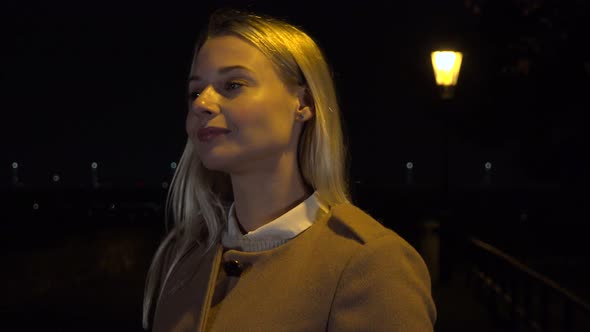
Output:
(112, 206)
(55, 178)
(446, 65)
(173, 165)
(488, 165)
(94, 165)
(409, 165)
(165, 185)
(35, 206)
(524, 216)
(15, 165)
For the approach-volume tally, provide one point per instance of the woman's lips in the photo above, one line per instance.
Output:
(208, 133)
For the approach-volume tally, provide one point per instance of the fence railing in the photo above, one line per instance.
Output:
(521, 299)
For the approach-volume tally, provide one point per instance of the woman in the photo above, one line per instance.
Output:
(265, 237)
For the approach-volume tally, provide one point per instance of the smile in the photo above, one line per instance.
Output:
(208, 133)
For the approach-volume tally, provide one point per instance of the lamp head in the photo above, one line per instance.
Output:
(446, 65)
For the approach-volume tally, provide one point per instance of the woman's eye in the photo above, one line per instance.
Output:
(194, 95)
(233, 85)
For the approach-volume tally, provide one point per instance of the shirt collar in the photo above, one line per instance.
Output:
(284, 227)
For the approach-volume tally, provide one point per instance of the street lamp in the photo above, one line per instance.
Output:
(446, 65)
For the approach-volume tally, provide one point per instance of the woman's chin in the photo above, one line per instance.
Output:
(213, 165)
(216, 164)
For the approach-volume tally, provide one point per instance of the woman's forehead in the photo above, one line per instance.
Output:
(228, 51)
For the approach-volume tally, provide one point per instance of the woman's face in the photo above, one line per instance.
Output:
(241, 114)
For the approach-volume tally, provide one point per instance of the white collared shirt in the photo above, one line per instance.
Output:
(278, 231)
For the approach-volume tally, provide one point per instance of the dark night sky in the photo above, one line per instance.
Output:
(82, 83)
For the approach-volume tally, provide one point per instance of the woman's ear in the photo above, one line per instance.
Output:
(305, 109)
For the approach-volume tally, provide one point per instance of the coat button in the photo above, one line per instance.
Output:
(233, 268)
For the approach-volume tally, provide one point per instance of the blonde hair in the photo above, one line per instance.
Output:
(198, 198)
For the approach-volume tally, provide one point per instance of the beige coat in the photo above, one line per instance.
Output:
(345, 273)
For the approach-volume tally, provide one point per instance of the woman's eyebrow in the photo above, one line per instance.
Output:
(222, 71)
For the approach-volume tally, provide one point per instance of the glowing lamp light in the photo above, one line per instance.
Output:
(446, 65)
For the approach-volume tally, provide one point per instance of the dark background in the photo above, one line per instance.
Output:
(105, 82)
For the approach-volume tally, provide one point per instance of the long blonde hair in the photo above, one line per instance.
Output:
(198, 198)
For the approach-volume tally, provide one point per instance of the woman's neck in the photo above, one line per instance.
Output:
(259, 200)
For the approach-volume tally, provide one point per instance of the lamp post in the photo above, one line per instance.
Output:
(446, 65)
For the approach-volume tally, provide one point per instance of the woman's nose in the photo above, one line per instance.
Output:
(206, 103)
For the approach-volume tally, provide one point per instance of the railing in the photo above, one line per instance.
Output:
(521, 299)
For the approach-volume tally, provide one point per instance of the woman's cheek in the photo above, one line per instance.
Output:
(248, 116)
(190, 124)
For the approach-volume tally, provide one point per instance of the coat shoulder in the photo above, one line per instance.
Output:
(358, 224)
